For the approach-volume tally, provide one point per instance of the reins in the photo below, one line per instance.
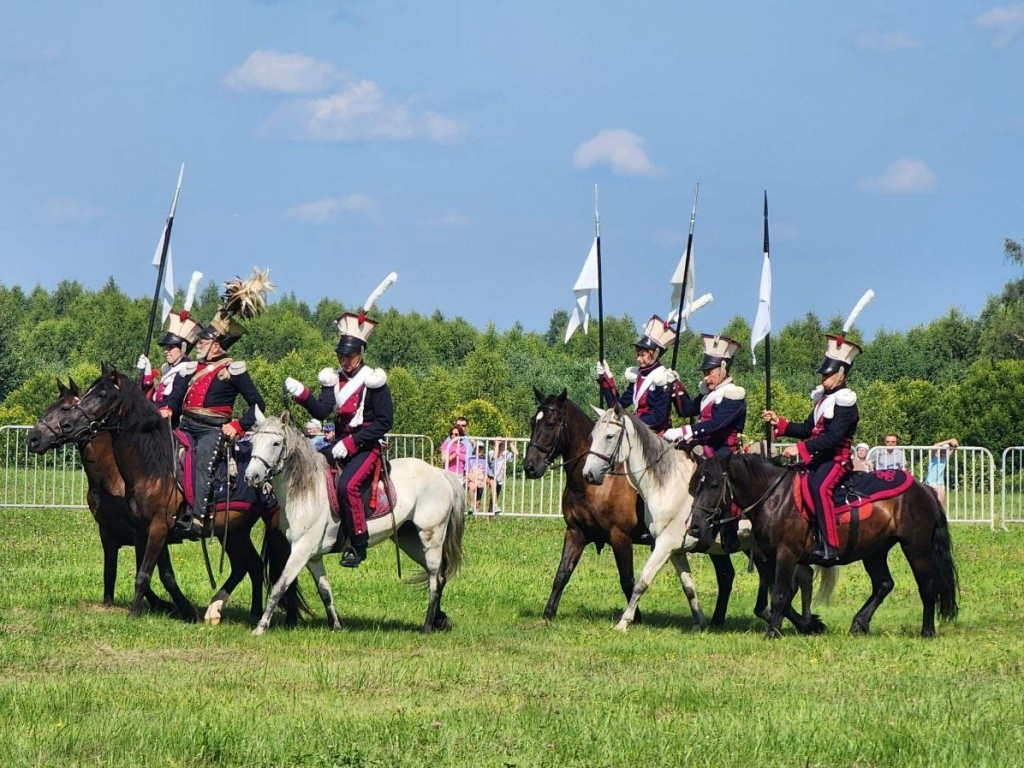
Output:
(610, 459)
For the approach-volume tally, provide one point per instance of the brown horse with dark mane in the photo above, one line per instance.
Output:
(143, 450)
(607, 513)
(914, 519)
(105, 495)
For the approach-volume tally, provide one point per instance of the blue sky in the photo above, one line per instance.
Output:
(459, 143)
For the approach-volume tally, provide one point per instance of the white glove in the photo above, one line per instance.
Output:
(676, 433)
(599, 370)
(671, 376)
(294, 387)
(340, 450)
(144, 365)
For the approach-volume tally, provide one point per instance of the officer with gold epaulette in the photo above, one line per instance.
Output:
(650, 382)
(359, 399)
(204, 394)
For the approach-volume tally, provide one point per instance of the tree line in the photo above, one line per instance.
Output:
(955, 376)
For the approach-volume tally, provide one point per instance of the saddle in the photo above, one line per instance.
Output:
(227, 491)
(376, 500)
(854, 496)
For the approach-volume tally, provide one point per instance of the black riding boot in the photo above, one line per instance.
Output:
(823, 552)
(356, 552)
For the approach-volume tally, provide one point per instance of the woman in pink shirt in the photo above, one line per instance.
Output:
(453, 453)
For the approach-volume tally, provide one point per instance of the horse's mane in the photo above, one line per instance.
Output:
(141, 423)
(307, 465)
(654, 450)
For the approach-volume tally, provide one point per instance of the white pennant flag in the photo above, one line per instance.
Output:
(677, 285)
(585, 283)
(763, 320)
(167, 290)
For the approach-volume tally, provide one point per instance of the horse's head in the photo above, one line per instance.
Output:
(607, 441)
(712, 498)
(99, 403)
(547, 433)
(54, 427)
(270, 441)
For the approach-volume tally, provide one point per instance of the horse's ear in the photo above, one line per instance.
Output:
(72, 387)
(599, 411)
(617, 410)
(258, 412)
(61, 389)
(286, 417)
(561, 397)
(537, 394)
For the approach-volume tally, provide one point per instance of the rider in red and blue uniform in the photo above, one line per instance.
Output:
(359, 399)
(826, 437)
(650, 382)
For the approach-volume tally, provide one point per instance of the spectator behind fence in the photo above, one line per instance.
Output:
(453, 453)
(937, 463)
(315, 433)
(892, 457)
(476, 477)
(860, 458)
(497, 461)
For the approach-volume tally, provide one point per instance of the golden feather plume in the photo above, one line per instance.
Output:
(247, 298)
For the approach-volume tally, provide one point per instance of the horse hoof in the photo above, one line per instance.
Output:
(857, 629)
(442, 623)
(213, 613)
(622, 626)
(259, 631)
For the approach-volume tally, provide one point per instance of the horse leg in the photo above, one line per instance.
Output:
(877, 566)
(725, 573)
(110, 550)
(781, 595)
(427, 551)
(156, 549)
(323, 586)
(622, 548)
(806, 622)
(660, 553)
(302, 551)
(924, 575)
(277, 550)
(166, 572)
(244, 560)
(573, 544)
(681, 562)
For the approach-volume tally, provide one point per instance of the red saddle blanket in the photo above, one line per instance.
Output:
(227, 491)
(857, 491)
(376, 504)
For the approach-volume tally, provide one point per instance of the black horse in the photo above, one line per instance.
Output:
(913, 519)
(143, 451)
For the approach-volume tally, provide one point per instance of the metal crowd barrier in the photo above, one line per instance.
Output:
(54, 479)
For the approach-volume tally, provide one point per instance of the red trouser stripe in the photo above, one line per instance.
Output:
(826, 510)
(354, 493)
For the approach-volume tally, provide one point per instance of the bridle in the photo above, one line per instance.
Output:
(92, 428)
(548, 452)
(718, 513)
(277, 466)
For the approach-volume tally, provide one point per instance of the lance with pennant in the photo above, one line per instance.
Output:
(165, 245)
(686, 274)
(600, 292)
(763, 324)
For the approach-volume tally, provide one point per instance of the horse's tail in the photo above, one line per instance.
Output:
(944, 573)
(827, 580)
(274, 553)
(452, 553)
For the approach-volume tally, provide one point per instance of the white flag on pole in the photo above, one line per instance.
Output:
(763, 321)
(585, 283)
(677, 286)
(167, 290)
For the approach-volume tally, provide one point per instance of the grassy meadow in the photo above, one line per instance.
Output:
(82, 685)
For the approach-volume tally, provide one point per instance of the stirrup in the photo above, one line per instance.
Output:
(353, 556)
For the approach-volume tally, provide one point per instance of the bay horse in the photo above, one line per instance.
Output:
(606, 514)
(143, 449)
(105, 495)
(913, 519)
(427, 520)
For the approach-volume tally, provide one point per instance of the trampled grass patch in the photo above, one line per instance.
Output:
(83, 685)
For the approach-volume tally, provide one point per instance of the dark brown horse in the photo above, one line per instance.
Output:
(602, 514)
(143, 451)
(105, 495)
(914, 519)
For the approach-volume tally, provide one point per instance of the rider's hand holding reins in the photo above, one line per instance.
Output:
(770, 417)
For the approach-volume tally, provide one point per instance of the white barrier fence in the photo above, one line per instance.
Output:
(966, 476)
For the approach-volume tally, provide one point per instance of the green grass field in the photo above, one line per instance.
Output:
(82, 685)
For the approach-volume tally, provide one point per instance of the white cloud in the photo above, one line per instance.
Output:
(320, 211)
(905, 176)
(283, 73)
(361, 112)
(446, 220)
(65, 210)
(889, 41)
(621, 149)
(1006, 20)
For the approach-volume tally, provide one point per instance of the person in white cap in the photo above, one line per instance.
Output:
(826, 438)
(359, 399)
(651, 383)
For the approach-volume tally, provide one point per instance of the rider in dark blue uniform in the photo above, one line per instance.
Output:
(650, 382)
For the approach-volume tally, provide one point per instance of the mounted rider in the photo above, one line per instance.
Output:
(204, 393)
(180, 336)
(721, 409)
(827, 434)
(359, 399)
(650, 382)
